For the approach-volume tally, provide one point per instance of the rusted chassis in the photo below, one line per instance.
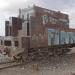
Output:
(55, 50)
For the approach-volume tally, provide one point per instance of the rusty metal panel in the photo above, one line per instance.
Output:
(15, 24)
(38, 34)
(39, 40)
(43, 20)
(25, 42)
(50, 17)
(6, 28)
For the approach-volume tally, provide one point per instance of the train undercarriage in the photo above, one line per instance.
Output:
(21, 54)
(35, 53)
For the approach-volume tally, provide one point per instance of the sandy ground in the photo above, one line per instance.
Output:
(64, 65)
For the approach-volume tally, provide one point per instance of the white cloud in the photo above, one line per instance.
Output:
(10, 8)
(3, 4)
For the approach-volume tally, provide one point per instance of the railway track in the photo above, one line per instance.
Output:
(10, 65)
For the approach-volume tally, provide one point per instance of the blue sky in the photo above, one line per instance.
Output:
(10, 8)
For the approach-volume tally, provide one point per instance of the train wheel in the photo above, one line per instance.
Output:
(50, 52)
(59, 52)
(23, 57)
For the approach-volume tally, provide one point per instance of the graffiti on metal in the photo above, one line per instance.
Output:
(39, 37)
(48, 19)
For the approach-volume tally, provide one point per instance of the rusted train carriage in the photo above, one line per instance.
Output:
(38, 20)
(43, 31)
(46, 29)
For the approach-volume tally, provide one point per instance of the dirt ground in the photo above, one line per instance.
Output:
(63, 65)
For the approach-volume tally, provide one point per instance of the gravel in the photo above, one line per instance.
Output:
(63, 65)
